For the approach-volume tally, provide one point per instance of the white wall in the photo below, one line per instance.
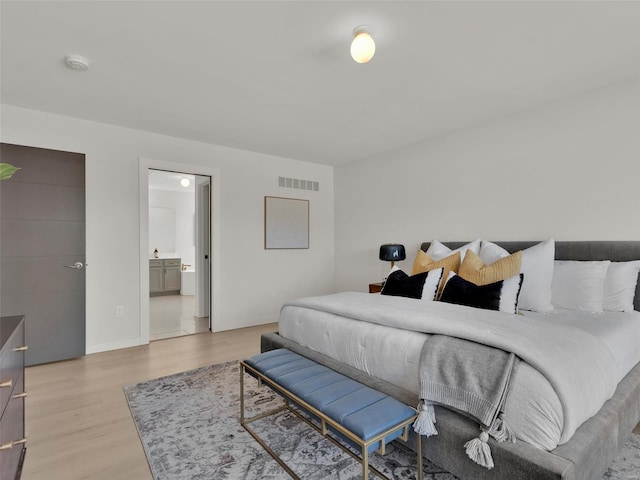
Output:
(252, 282)
(569, 170)
(184, 206)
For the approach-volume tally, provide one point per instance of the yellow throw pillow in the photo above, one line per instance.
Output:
(474, 270)
(424, 263)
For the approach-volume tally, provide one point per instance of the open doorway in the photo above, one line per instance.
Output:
(179, 250)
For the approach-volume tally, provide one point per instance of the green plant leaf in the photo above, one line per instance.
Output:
(7, 170)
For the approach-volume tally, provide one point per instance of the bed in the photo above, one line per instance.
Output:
(581, 451)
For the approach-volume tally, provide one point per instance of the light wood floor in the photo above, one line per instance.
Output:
(78, 422)
(77, 419)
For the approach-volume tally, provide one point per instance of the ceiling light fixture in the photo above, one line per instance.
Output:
(76, 62)
(363, 48)
(185, 182)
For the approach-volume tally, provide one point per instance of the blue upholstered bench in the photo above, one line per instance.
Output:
(364, 417)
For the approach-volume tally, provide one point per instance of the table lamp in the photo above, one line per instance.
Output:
(392, 252)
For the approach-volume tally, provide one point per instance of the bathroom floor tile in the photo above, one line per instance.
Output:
(172, 316)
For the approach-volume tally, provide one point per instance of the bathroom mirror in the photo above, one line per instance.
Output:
(286, 223)
(162, 229)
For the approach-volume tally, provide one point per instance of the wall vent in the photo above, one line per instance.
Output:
(286, 182)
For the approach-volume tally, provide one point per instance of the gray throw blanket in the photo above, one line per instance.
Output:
(471, 378)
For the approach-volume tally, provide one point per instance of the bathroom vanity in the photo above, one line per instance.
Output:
(164, 276)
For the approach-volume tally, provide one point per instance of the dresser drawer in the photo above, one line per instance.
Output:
(12, 434)
(155, 263)
(11, 365)
(172, 262)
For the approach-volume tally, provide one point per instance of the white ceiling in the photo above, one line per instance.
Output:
(276, 76)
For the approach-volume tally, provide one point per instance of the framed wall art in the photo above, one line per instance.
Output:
(286, 223)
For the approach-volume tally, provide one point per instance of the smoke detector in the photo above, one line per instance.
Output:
(76, 62)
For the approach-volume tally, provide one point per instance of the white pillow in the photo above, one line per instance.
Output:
(579, 285)
(491, 253)
(620, 286)
(438, 251)
(537, 266)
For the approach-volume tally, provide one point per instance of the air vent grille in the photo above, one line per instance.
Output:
(311, 185)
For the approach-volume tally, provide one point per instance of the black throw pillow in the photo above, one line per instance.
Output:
(400, 284)
(462, 292)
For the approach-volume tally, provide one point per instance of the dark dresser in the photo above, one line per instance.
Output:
(12, 394)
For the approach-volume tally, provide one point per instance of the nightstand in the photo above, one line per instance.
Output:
(375, 287)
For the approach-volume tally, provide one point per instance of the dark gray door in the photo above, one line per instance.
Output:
(42, 247)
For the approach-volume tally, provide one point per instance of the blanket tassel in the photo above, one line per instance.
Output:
(424, 424)
(500, 430)
(479, 451)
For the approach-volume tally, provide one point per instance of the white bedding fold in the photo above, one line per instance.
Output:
(580, 366)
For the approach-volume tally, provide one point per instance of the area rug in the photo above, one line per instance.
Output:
(189, 425)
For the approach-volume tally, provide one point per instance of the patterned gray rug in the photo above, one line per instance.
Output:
(189, 427)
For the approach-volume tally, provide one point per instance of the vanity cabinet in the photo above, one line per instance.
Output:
(172, 275)
(156, 276)
(12, 394)
(164, 276)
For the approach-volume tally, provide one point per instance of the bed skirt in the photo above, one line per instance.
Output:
(585, 456)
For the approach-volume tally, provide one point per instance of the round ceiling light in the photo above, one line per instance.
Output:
(76, 62)
(185, 182)
(363, 48)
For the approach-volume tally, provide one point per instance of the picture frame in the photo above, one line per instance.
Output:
(286, 223)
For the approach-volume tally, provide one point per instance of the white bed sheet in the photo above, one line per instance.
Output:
(533, 409)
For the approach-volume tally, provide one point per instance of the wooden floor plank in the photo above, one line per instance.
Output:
(77, 419)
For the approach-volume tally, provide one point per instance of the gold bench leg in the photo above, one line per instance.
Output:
(241, 394)
(365, 463)
(419, 449)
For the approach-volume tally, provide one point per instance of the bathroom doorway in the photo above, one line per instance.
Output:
(179, 251)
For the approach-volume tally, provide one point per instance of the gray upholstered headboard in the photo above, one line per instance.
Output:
(616, 251)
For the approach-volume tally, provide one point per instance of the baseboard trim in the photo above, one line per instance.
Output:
(105, 347)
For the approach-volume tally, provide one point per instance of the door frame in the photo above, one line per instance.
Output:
(203, 247)
(144, 165)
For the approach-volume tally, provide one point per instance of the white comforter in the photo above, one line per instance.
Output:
(573, 360)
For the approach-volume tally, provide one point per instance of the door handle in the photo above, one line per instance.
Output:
(76, 266)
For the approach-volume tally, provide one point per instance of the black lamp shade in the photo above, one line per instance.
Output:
(392, 252)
